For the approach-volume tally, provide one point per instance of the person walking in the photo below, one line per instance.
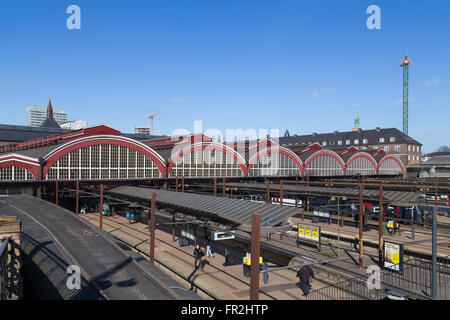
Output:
(227, 257)
(208, 249)
(198, 254)
(306, 275)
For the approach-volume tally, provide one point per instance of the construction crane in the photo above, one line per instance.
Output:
(405, 65)
(151, 117)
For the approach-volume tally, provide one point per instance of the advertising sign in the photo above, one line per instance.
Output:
(318, 212)
(188, 231)
(309, 232)
(393, 256)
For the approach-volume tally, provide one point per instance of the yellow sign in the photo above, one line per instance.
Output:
(247, 260)
(308, 232)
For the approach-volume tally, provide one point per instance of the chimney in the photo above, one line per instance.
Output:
(378, 129)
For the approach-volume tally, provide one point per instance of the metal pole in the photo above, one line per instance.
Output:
(223, 187)
(182, 184)
(361, 214)
(435, 191)
(339, 226)
(267, 191)
(57, 193)
(434, 255)
(152, 229)
(281, 192)
(77, 195)
(173, 226)
(307, 198)
(380, 224)
(215, 187)
(176, 184)
(255, 254)
(101, 206)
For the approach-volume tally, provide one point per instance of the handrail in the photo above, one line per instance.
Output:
(4, 270)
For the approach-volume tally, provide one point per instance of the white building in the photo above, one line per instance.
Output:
(37, 114)
(74, 125)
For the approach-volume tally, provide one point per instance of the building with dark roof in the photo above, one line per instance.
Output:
(434, 166)
(104, 153)
(391, 140)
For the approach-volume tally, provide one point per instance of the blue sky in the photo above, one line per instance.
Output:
(297, 65)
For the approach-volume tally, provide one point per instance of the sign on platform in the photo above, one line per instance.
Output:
(309, 232)
(393, 256)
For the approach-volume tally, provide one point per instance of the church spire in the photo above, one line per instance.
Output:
(356, 126)
(49, 109)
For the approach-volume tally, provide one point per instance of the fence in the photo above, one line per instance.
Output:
(351, 289)
(4, 270)
(415, 281)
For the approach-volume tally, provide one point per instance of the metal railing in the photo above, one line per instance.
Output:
(415, 281)
(4, 291)
(351, 289)
(416, 278)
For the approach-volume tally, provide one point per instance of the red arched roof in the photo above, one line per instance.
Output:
(363, 155)
(73, 145)
(207, 145)
(27, 163)
(276, 149)
(390, 156)
(326, 153)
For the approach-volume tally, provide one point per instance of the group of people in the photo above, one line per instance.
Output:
(199, 253)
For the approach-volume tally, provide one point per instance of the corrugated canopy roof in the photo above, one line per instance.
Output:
(233, 210)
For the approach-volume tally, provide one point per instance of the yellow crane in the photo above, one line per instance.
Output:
(151, 117)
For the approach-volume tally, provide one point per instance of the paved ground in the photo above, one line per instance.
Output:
(225, 282)
(121, 275)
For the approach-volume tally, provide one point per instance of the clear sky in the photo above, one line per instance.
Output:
(297, 65)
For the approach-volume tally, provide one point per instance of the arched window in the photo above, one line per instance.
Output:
(275, 161)
(103, 157)
(324, 163)
(361, 163)
(11, 173)
(206, 159)
(390, 165)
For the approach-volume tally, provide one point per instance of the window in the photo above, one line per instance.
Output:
(347, 141)
(324, 143)
(386, 148)
(340, 143)
(409, 147)
(366, 141)
(356, 141)
(414, 148)
(409, 157)
(381, 140)
(392, 139)
(397, 148)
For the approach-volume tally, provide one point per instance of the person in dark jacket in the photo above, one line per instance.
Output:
(306, 275)
(198, 254)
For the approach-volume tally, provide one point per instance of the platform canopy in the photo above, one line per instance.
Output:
(236, 211)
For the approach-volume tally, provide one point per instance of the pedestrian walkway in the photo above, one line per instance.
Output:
(221, 282)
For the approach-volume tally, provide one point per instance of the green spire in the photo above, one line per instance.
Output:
(356, 123)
